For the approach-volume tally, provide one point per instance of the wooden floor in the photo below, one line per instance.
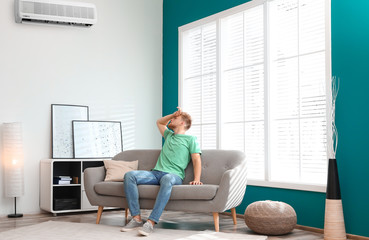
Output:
(169, 220)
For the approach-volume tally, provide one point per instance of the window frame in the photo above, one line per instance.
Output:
(217, 18)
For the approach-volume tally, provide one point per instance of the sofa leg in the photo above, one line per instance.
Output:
(234, 216)
(216, 221)
(127, 212)
(99, 212)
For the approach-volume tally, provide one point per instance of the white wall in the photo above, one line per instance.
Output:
(114, 67)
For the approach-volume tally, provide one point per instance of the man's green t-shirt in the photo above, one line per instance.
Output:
(176, 153)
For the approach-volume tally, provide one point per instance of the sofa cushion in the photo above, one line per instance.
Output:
(115, 170)
(179, 192)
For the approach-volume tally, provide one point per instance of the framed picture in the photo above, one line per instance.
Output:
(61, 125)
(97, 139)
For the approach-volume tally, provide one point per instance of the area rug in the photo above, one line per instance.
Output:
(53, 230)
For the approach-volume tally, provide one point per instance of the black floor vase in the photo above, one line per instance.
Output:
(334, 224)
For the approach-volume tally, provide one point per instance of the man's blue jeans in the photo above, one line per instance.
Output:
(166, 182)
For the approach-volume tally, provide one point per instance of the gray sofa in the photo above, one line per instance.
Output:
(223, 174)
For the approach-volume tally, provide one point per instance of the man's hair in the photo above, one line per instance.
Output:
(187, 119)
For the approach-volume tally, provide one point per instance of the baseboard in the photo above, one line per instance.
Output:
(321, 231)
(311, 229)
(33, 213)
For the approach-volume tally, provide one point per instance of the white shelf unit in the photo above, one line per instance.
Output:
(54, 198)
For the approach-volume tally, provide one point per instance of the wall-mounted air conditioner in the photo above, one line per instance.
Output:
(55, 12)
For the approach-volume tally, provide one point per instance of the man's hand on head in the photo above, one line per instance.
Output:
(178, 112)
(195, 183)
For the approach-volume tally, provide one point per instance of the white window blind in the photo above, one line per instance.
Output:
(200, 83)
(297, 91)
(255, 80)
(243, 86)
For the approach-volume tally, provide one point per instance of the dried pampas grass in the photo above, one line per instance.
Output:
(332, 140)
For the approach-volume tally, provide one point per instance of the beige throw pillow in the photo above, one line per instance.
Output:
(115, 170)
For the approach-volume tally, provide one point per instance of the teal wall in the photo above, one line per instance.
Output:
(350, 62)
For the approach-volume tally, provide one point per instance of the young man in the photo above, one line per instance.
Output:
(174, 157)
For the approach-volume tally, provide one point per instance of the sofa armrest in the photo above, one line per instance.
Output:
(92, 176)
(231, 189)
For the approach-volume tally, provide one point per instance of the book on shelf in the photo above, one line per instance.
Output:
(65, 178)
(62, 180)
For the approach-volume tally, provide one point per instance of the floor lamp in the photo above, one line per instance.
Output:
(13, 163)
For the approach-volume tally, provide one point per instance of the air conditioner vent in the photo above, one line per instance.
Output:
(55, 12)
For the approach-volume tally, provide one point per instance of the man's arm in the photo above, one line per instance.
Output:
(163, 121)
(196, 161)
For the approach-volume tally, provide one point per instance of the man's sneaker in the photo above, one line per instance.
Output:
(146, 229)
(133, 224)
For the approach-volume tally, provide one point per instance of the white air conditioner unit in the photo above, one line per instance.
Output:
(55, 12)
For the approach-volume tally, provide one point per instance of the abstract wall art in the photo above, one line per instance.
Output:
(61, 121)
(97, 139)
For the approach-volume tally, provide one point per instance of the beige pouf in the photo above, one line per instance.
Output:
(270, 217)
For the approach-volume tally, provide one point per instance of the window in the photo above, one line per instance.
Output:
(254, 79)
(199, 83)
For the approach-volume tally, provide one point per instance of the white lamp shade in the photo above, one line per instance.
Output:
(13, 159)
